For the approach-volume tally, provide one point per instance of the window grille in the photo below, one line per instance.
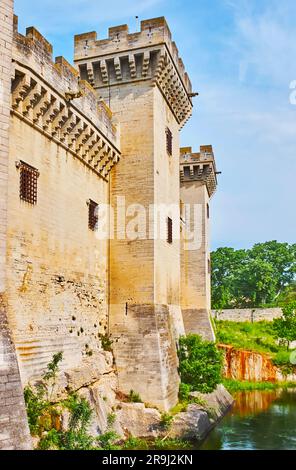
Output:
(28, 183)
(92, 215)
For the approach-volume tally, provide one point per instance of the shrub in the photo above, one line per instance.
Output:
(200, 363)
(285, 327)
(106, 342)
(111, 418)
(166, 421)
(184, 391)
(134, 443)
(107, 441)
(134, 397)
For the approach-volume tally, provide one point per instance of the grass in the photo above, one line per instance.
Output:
(245, 386)
(134, 443)
(258, 337)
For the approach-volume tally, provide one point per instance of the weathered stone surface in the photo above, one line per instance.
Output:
(138, 421)
(197, 421)
(247, 314)
(14, 431)
(218, 402)
(252, 366)
(192, 424)
(101, 397)
(90, 370)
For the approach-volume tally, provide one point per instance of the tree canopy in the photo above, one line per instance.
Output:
(264, 274)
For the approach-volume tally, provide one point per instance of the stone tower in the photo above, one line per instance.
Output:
(198, 183)
(142, 79)
(14, 432)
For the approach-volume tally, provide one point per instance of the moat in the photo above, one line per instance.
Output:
(259, 420)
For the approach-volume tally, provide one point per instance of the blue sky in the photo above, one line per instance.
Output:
(240, 55)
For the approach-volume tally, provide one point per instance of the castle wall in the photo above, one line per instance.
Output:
(57, 268)
(14, 432)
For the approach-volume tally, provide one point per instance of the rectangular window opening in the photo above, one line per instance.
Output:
(169, 141)
(170, 230)
(28, 183)
(92, 215)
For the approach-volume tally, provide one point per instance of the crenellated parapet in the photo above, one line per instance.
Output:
(199, 167)
(132, 57)
(51, 97)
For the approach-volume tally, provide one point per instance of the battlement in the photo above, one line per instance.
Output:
(154, 31)
(51, 96)
(199, 166)
(149, 54)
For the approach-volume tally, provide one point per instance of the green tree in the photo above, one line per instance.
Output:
(282, 258)
(200, 364)
(285, 327)
(225, 263)
(249, 278)
(254, 284)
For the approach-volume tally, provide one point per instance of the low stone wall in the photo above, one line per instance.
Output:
(247, 314)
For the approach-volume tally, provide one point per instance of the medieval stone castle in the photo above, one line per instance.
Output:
(73, 139)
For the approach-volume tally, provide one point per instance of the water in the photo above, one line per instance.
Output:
(259, 420)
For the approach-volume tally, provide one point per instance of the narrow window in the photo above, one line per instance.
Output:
(187, 171)
(170, 230)
(28, 183)
(92, 215)
(169, 141)
(208, 211)
(209, 266)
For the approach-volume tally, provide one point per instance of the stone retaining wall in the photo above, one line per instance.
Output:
(247, 314)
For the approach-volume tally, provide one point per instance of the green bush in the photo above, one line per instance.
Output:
(106, 342)
(134, 397)
(285, 327)
(282, 358)
(184, 391)
(200, 363)
(166, 420)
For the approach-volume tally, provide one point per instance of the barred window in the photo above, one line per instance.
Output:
(169, 141)
(28, 183)
(92, 215)
(170, 230)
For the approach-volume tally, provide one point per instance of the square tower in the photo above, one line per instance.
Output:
(198, 179)
(142, 79)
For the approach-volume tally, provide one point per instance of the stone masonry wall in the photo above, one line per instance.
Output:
(57, 267)
(247, 314)
(14, 432)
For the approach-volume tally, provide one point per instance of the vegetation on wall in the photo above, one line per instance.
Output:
(262, 275)
(200, 365)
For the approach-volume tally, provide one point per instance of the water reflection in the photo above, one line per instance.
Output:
(259, 420)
